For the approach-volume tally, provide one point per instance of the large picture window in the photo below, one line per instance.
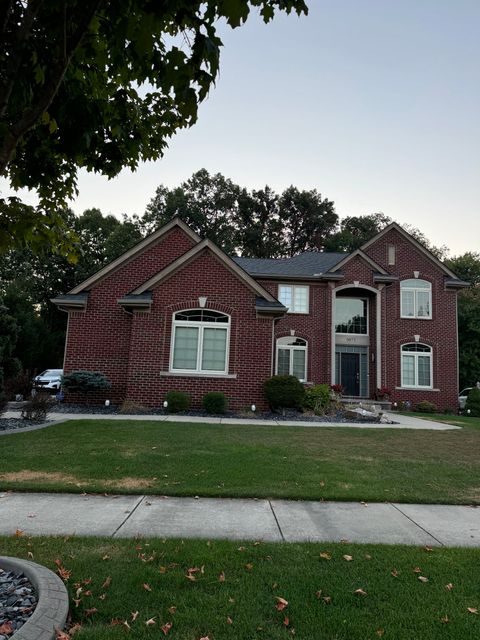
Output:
(415, 298)
(200, 341)
(294, 297)
(292, 357)
(416, 366)
(351, 315)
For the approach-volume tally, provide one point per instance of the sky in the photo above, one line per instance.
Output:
(374, 103)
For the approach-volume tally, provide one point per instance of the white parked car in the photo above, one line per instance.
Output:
(462, 398)
(50, 379)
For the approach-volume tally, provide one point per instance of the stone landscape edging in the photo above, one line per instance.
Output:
(52, 608)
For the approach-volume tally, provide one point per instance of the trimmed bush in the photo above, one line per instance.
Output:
(177, 401)
(85, 382)
(131, 407)
(214, 402)
(284, 392)
(317, 398)
(426, 407)
(473, 403)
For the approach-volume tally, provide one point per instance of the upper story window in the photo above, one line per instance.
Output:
(415, 298)
(292, 357)
(200, 340)
(417, 365)
(351, 315)
(294, 296)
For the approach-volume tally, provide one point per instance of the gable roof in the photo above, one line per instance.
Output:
(412, 240)
(135, 250)
(358, 253)
(183, 260)
(307, 264)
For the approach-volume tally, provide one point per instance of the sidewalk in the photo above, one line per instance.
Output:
(403, 422)
(270, 520)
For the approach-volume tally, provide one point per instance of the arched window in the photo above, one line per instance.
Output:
(200, 341)
(416, 365)
(415, 298)
(292, 357)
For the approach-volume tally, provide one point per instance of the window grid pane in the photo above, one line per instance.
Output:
(283, 362)
(298, 367)
(300, 299)
(408, 371)
(408, 303)
(214, 349)
(185, 348)
(423, 363)
(423, 304)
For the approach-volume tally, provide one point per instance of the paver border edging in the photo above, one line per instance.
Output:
(52, 608)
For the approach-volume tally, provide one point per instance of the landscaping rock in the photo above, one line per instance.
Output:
(18, 600)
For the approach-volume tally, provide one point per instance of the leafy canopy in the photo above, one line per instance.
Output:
(101, 84)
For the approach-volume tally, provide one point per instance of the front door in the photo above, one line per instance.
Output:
(350, 373)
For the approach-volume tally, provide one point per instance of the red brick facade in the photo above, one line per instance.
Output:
(133, 346)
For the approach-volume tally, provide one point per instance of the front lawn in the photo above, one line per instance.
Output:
(181, 459)
(225, 590)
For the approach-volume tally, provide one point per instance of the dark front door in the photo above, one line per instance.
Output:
(350, 374)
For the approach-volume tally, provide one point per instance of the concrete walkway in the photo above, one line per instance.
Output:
(210, 518)
(402, 422)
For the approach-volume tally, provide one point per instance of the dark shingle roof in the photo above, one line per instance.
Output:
(305, 264)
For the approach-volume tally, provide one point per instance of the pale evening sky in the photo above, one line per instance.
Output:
(376, 104)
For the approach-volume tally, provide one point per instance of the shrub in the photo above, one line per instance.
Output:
(473, 402)
(284, 392)
(85, 382)
(177, 401)
(214, 402)
(36, 409)
(131, 407)
(337, 389)
(317, 398)
(3, 402)
(19, 385)
(426, 407)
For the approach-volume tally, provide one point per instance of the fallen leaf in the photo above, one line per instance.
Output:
(348, 558)
(445, 619)
(318, 594)
(472, 610)
(90, 612)
(368, 556)
(428, 549)
(75, 629)
(30, 554)
(172, 610)
(59, 634)
(166, 628)
(449, 586)
(325, 555)
(102, 596)
(229, 620)
(327, 599)
(6, 628)
(134, 615)
(249, 566)
(19, 533)
(281, 603)
(150, 621)
(204, 638)
(107, 583)
(417, 570)
(190, 577)
(64, 573)
(360, 592)
(106, 557)
(147, 587)
(380, 632)
(221, 577)
(286, 621)
(423, 579)
(394, 573)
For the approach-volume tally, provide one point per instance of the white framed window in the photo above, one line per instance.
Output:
(294, 296)
(200, 342)
(292, 357)
(416, 364)
(416, 299)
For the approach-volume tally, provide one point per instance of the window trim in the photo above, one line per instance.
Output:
(416, 354)
(291, 348)
(364, 298)
(201, 327)
(415, 305)
(293, 287)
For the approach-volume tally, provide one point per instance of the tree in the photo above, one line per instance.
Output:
(9, 366)
(259, 227)
(466, 267)
(355, 231)
(103, 84)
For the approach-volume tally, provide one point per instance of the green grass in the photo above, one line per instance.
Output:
(245, 461)
(403, 607)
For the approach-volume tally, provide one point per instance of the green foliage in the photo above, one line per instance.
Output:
(8, 339)
(466, 267)
(284, 392)
(424, 406)
(85, 382)
(103, 85)
(317, 398)
(473, 402)
(214, 402)
(177, 401)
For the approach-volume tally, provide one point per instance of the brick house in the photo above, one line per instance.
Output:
(176, 313)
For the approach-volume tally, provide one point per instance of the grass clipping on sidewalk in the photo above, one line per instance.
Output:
(192, 590)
